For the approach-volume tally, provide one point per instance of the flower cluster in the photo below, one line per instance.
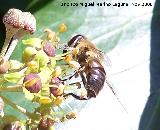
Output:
(41, 76)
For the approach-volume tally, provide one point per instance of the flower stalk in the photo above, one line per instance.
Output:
(17, 88)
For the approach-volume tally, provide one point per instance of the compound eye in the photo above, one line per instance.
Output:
(75, 40)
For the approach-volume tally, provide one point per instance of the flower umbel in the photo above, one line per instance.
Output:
(40, 76)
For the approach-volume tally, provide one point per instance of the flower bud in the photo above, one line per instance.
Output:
(44, 100)
(50, 34)
(62, 28)
(28, 53)
(42, 57)
(57, 90)
(55, 81)
(45, 124)
(32, 83)
(32, 64)
(49, 49)
(33, 42)
(13, 77)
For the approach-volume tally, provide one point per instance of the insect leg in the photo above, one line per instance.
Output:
(75, 74)
(77, 84)
(75, 96)
(84, 83)
(69, 77)
(83, 78)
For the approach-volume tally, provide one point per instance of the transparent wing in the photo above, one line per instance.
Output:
(105, 58)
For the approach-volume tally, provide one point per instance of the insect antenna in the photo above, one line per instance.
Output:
(110, 86)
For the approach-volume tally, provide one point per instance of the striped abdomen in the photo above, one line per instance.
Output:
(95, 77)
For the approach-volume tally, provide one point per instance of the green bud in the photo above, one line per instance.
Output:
(45, 100)
(32, 67)
(42, 57)
(33, 42)
(13, 77)
(32, 82)
(28, 53)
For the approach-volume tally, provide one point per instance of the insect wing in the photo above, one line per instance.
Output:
(107, 60)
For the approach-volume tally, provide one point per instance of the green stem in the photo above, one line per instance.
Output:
(11, 88)
(1, 80)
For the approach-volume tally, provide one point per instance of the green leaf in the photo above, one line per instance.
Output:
(108, 27)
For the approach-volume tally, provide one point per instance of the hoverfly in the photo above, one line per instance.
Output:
(92, 71)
